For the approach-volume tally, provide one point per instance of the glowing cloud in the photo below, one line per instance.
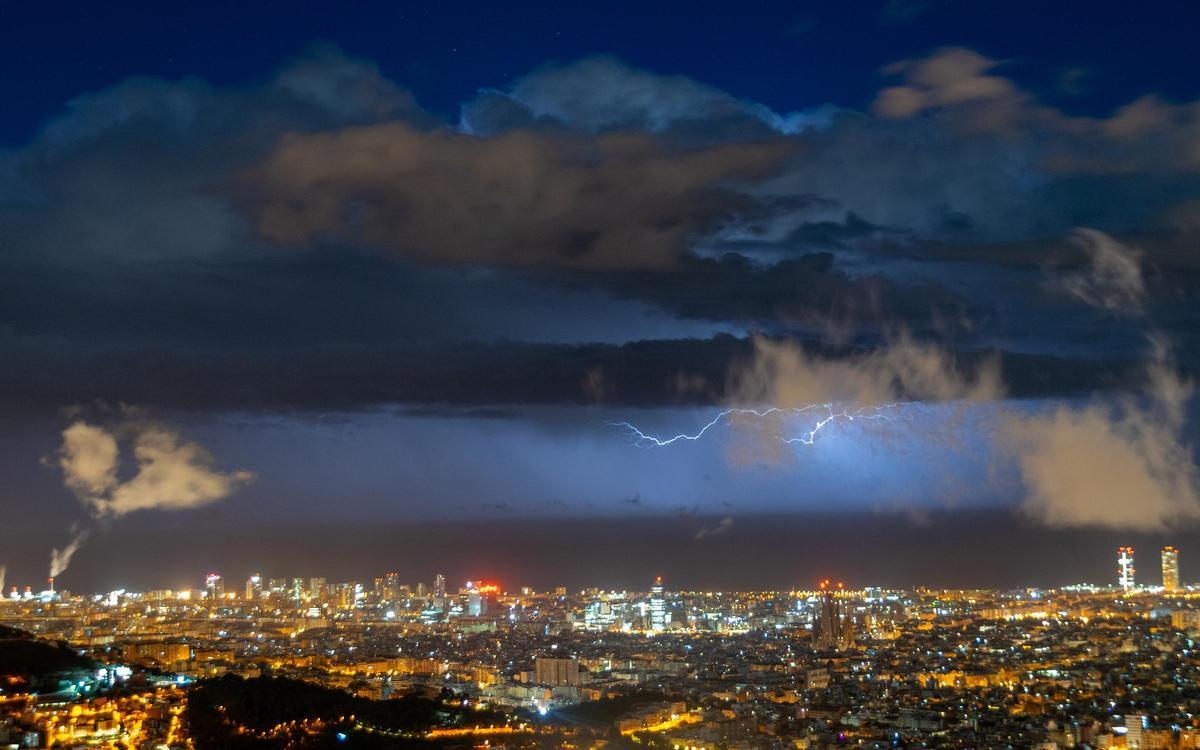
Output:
(785, 376)
(172, 473)
(1122, 466)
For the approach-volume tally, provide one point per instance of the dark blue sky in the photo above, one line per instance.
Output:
(405, 264)
(784, 54)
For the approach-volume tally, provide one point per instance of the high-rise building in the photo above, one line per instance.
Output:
(214, 586)
(391, 587)
(658, 607)
(1125, 571)
(317, 590)
(1170, 568)
(254, 586)
(439, 586)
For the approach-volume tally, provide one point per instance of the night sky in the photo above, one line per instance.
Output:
(430, 289)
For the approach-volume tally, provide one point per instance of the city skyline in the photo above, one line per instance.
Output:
(260, 586)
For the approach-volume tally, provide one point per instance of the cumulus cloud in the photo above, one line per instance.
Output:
(1125, 465)
(170, 473)
(872, 388)
(1113, 279)
(120, 170)
(951, 77)
(598, 94)
(523, 198)
(784, 375)
(957, 87)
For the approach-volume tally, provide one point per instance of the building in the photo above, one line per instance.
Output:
(317, 589)
(1134, 728)
(158, 653)
(556, 672)
(1170, 568)
(214, 586)
(439, 586)
(254, 587)
(833, 623)
(1186, 619)
(658, 607)
(1125, 571)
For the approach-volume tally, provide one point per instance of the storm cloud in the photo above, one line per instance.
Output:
(518, 199)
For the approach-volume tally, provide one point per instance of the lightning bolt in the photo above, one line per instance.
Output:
(831, 414)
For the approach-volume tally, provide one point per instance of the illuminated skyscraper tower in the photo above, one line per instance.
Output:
(1170, 568)
(1125, 570)
(214, 586)
(658, 607)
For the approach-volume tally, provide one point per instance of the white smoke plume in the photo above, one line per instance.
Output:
(61, 558)
(170, 473)
(1113, 280)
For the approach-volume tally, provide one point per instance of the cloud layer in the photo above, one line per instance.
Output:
(342, 248)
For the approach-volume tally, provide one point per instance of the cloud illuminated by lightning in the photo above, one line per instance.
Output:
(831, 414)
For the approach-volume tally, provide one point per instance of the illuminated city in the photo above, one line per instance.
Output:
(782, 375)
(1103, 665)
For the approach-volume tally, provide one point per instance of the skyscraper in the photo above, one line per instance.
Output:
(254, 586)
(1125, 571)
(474, 600)
(658, 607)
(1170, 568)
(214, 586)
(439, 586)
